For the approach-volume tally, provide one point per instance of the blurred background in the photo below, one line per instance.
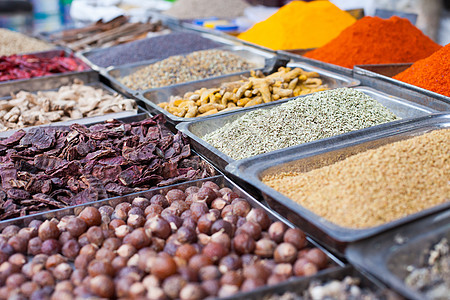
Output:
(31, 16)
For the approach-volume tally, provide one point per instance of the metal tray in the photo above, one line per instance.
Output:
(380, 78)
(220, 180)
(197, 129)
(325, 152)
(301, 284)
(44, 54)
(84, 55)
(90, 78)
(389, 255)
(113, 74)
(297, 55)
(155, 96)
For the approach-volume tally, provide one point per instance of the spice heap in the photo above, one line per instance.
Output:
(17, 43)
(251, 91)
(185, 244)
(194, 66)
(376, 186)
(195, 9)
(53, 167)
(432, 279)
(158, 47)
(69, 102)
(431, 73)
(104, 34)
(299, 25)
(348, 288)
(372, 40)
(306, 119)
(27, 66)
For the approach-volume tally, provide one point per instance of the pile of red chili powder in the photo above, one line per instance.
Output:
(431, 73)
(372, 40)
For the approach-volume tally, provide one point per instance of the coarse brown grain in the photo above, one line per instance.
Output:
(376, 186)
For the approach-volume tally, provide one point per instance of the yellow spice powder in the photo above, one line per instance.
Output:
(376, 186)
(299, 25)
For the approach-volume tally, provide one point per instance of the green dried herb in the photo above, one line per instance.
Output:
(317, 116)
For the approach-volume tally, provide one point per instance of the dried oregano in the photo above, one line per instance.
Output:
(317, 116)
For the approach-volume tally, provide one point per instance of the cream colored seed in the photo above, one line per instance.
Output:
(376, 186)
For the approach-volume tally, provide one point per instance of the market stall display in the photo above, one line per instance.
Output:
(27, 66)
(189, 242)
(430, 73)
(104, 34)
(197, 9)
(372, 40)
(75, 101)
(374, 187)
(254, 90)
(17, 43)
(53, 167)
(190, 67)
(299, 25)
(157, 48)
(316, 116)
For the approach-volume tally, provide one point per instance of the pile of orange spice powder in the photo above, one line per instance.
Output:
(431, 73)
(372, 40)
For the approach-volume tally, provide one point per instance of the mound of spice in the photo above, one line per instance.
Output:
(17, 43)
(316, 116)
(372, 40)
(53, 167)
(189, 243)
(433, 278)
(194, 66)
(158, 47)
(195, 9)
(376, 186)
(299, 25)
(28, 66)
(431, 73)
(69, 102)
(256, 89)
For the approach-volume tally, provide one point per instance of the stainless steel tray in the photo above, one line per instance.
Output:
(389, 255)
(113, 74)
(380, 78)
(299, 285)
(44, 54)
(219, 180)
(324, 152)
(155, 96)
(84, 55)
(53, 83)
(297, 55)
(197, 129)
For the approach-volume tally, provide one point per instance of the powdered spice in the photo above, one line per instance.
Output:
(373, 40)
(431, 73)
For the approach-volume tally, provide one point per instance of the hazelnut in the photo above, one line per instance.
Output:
(153, 210)
(173, 285)
(192, 291)
(198, 261)
(205, 194)
(241, 207)
(277, 230)
(175, 222)
(231, 262)
(126, 250)
(77, 276)
(251, 284)
(304, 267)
(259, 216)
(15, 280)
(318, 257)
(71, 249)
(186, 251)
(222, 225)
(50, 247)
(106, 210)
(221, 238)
(198, 209)
(138, 238)
(227, 211)
(285, 253)
(95, 235)
(284, 269)
(44, 278)
(256, 270)
(205, 222)
(137, 290)
(112, 243)
(34, 246)
(175, 195)
(232, 278)
(227, 290)
(62, 271)
(119, 263)
(102, 286)
(191, 190)
(296, 237)
(89, 250)
(122, 231)
(10, 231)
(243, 243)
(159, 227)
(155, 293)
(54, 260)
(64, 237)
(18, 259)
(48, 230)
(219, 203)
(189, 223)
(211, 185)
(163, 267)
(18, 243)
(251, 228)
(151, 280)
(121, 211)
(209, 273)
(265, 248)
(215, 251)
(83, 240)
(276, 279)
(100, 267)
(91, 216)
(106, 254)
(28, 288)
(140, 202)
(65, 285)
(116, 223)
(160, 200)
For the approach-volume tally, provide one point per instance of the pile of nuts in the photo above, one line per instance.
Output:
(186, 244)
(254, 90)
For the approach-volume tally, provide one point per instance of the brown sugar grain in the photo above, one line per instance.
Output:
(377, 186)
